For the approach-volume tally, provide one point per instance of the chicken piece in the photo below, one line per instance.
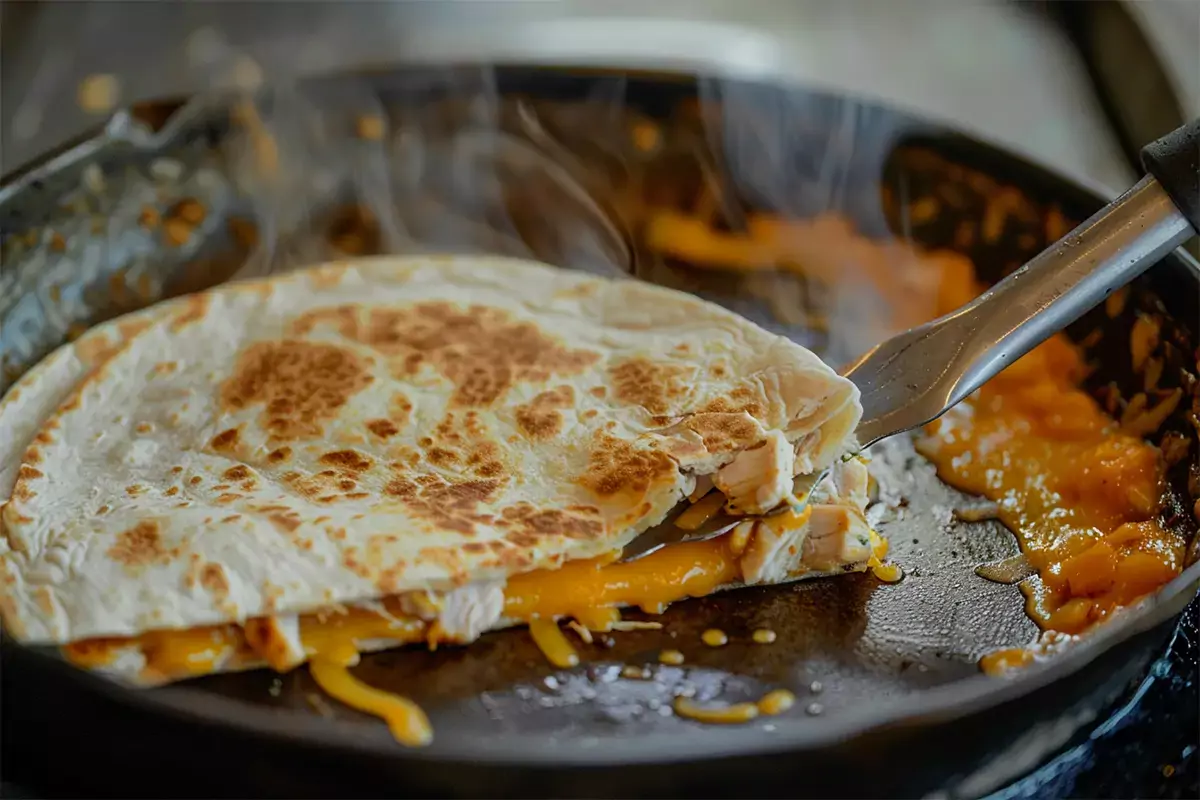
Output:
(851, 481)
(774, 547)
(836, 535)
(820, 539)
(759, 479)
(276, 640)
(469, 611)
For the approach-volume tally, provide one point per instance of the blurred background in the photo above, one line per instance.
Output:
(1077, 86)
(1072, 84)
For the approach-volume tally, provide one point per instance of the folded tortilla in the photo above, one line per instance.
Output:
(399, 449)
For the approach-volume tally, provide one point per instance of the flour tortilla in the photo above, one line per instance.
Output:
(371, 428)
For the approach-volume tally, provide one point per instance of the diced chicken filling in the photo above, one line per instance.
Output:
(837, 535)
(759, 479)
(469, 611)
(830, 533)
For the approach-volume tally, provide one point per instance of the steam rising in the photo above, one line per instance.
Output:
(739, 193)
(468, 175)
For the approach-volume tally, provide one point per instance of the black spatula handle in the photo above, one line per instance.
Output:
(1174, 161)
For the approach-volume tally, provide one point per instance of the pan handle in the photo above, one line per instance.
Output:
(1174, 161)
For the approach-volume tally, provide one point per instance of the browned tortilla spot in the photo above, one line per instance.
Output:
(348, 461)
(193, 311)
(528, 525)
(382, 428)
(482, 351)
(540, 418)
(451, 506)
(140, 546)
(29, 473)
(654, 386)
(212, 578)
(286, 521)
(615, 466)
(236, 473)
(449, 558)
(225, 440)
(741, 399)
(299, 384)
(724, 433)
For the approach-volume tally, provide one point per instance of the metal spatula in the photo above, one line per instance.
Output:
(669, 533)
(914, 378)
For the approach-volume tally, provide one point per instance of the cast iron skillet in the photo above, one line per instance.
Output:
(890, 699)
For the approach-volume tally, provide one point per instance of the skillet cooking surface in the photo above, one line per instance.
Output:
(855, 651)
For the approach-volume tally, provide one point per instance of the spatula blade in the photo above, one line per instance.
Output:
(667, 532)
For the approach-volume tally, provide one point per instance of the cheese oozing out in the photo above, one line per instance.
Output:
(589, 592)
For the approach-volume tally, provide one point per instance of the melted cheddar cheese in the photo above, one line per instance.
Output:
(590, 592)
(1081, 494)
(579, 589)
(771, 704)
(405, 719)
(553, 643)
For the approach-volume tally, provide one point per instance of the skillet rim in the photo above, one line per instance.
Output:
(942, 704)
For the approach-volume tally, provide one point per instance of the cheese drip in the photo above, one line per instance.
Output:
(1080, 492)
(589, 592)
(405, 719)
(554, 645)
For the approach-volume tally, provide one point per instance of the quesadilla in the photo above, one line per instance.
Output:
(397, 450)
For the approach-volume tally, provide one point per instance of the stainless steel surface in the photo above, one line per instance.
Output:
(667, 532)
(915, 377)
(986, 65)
